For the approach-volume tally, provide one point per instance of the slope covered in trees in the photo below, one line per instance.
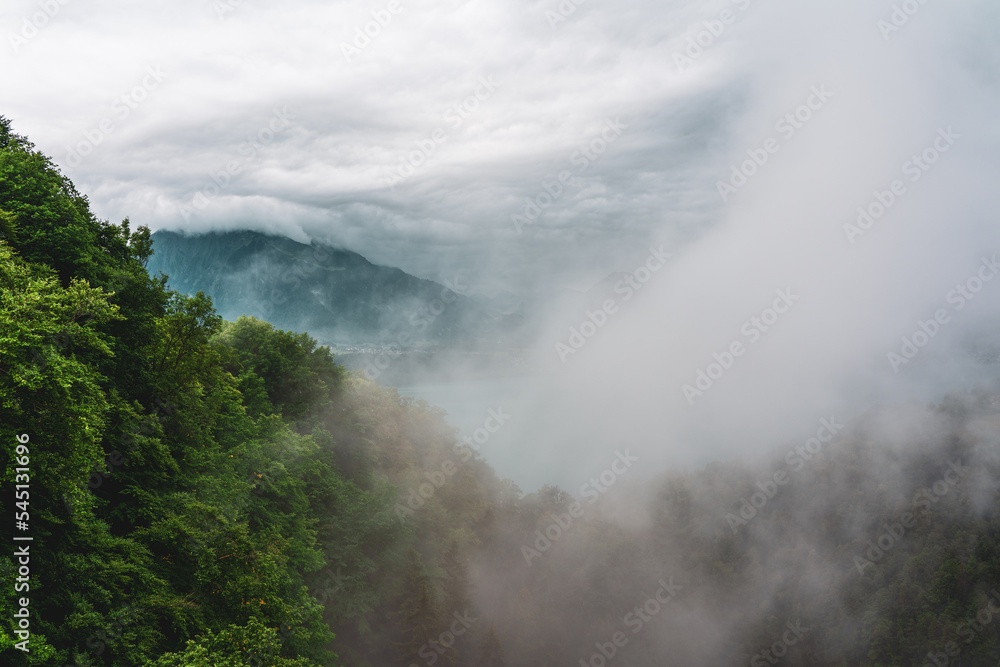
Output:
(205, 492)
(336, 295)
(201, 492)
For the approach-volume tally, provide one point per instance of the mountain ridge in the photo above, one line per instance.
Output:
(336, 294)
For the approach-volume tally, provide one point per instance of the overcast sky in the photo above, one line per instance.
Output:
(185, 86)
(891, 102)
(357, 113)
(825, 177)
(515, 90)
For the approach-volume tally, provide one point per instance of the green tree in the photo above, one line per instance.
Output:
(236, 646)
(421, 615)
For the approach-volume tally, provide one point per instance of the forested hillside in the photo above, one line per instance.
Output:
(343, 300)
(215, 493)
(205, 492)
(336, 295)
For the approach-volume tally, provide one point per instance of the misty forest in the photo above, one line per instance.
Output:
(699, 366)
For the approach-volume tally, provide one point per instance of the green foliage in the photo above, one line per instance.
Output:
(203, 492)
(209, 493)
(299, 377)
(45, 386)
(236, 646)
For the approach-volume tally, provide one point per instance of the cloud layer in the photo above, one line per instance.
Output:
(419, 144)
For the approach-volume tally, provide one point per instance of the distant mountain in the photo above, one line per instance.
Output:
(338, 296)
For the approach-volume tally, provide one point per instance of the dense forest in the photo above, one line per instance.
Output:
(220, 493)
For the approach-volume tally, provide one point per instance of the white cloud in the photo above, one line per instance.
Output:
(354, 122)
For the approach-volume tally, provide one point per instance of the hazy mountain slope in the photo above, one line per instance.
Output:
(336, 295)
